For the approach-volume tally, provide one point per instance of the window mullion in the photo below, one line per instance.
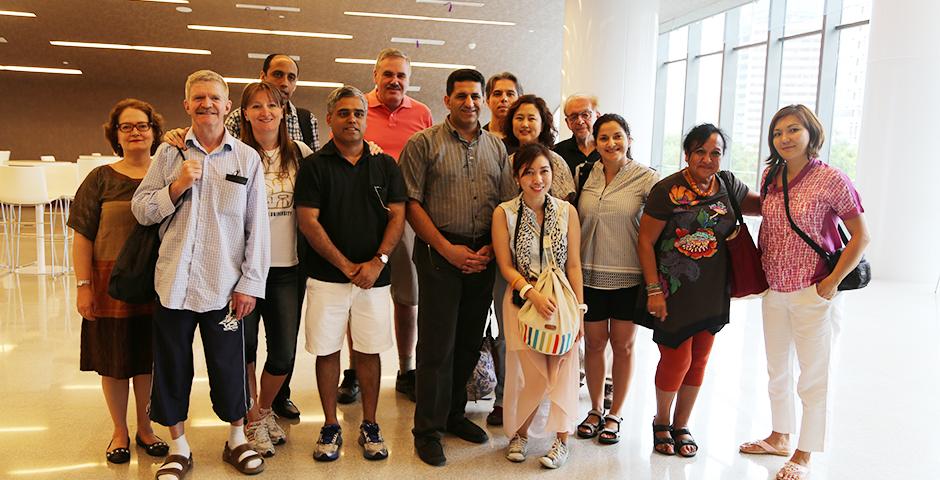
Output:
(828, 66)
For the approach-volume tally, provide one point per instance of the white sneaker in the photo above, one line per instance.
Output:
(518, 447)
(277, 434)
(556, 456)
(259, 439)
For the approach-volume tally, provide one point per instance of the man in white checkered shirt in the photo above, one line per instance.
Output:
(213, 262)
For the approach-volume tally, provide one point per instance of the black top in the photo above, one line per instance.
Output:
(352, 200)
(568, 149)
(691, 257)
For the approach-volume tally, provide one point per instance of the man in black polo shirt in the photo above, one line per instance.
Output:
(351, 210)
(580, 114)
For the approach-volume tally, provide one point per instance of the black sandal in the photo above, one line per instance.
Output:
(657, 441)
(684, 442)
(609, 436)
(588, 429)
(118, 455)
(155, 449)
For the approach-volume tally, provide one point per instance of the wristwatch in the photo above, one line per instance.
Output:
(382, 258)
(82, 283)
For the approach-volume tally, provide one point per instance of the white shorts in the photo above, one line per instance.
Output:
(332, 307)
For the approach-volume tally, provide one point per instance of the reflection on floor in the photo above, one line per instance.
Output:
(54, 423)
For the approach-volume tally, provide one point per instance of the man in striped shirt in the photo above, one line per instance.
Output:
(456, 174)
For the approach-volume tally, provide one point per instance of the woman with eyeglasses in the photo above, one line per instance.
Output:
(116, 336)
(264, 127)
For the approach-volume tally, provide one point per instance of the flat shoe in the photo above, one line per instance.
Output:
(179, 473)
(761, 447)
(118, 455)
(231, 456)
(155, 449)
(793, 471)
(468, 431)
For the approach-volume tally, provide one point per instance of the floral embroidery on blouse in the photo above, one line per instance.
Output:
(680, 195)
(678, 254)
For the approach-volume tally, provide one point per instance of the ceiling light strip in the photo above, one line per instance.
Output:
(261, 31)
(428, 19)
(167, 1)
(455, 4)
(366, 61)
(18, 68)
(262, 56)
(417, 41)
(300, 83)
(11, 13)
(140, 48)
(267, 8)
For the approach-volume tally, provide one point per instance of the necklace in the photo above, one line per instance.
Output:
(271, 155)
(692, 183)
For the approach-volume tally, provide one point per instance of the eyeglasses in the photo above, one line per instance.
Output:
(129, 127)
(585, 115)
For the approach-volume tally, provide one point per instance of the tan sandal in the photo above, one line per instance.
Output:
(761, 447)
(793, 471)
(231, 456)
(178, 473)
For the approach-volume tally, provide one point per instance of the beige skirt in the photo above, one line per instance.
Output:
(533, 379)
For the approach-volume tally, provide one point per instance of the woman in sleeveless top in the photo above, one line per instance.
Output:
(531, 376)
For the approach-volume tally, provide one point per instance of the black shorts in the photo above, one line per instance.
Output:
(616, 304)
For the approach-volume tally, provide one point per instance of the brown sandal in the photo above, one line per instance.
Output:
(231, 456)
(179, 473)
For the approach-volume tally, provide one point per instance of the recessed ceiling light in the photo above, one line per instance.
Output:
(261, 31)
(428, 19)
(141, 48)
(184, 10)
(262, 56)
(366, 61)
(3, 40)
(456, 4)
(417, 41)
(300, 83)
(11, 13)
(63, 71)
(267, 8)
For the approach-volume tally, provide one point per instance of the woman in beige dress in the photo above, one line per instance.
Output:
(532, 377)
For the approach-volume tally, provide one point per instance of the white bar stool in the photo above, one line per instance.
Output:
(62, 183)
(26, 186)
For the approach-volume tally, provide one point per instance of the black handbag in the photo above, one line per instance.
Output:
(131, 278)
(858, 277)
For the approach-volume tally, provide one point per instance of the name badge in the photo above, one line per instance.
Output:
(236, 178)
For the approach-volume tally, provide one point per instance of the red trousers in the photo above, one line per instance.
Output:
(684, 365)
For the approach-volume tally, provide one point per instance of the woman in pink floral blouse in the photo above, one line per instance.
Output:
(801, 310)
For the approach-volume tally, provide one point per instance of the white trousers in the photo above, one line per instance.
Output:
(804, 323)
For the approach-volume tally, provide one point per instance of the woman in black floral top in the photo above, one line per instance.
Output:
(682, 251)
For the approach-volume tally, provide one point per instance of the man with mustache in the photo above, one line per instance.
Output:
(393, 117)
(351, 209)
(580, 113)
(456, 174)
(502, 90)
(212, 265)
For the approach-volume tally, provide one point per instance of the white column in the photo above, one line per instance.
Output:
(610, 52)
(898, 167)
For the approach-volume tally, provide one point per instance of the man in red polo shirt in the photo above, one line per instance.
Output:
(393, 117)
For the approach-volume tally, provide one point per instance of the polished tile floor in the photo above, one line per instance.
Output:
(54, 425)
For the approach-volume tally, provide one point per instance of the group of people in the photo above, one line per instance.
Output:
(398, 214)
